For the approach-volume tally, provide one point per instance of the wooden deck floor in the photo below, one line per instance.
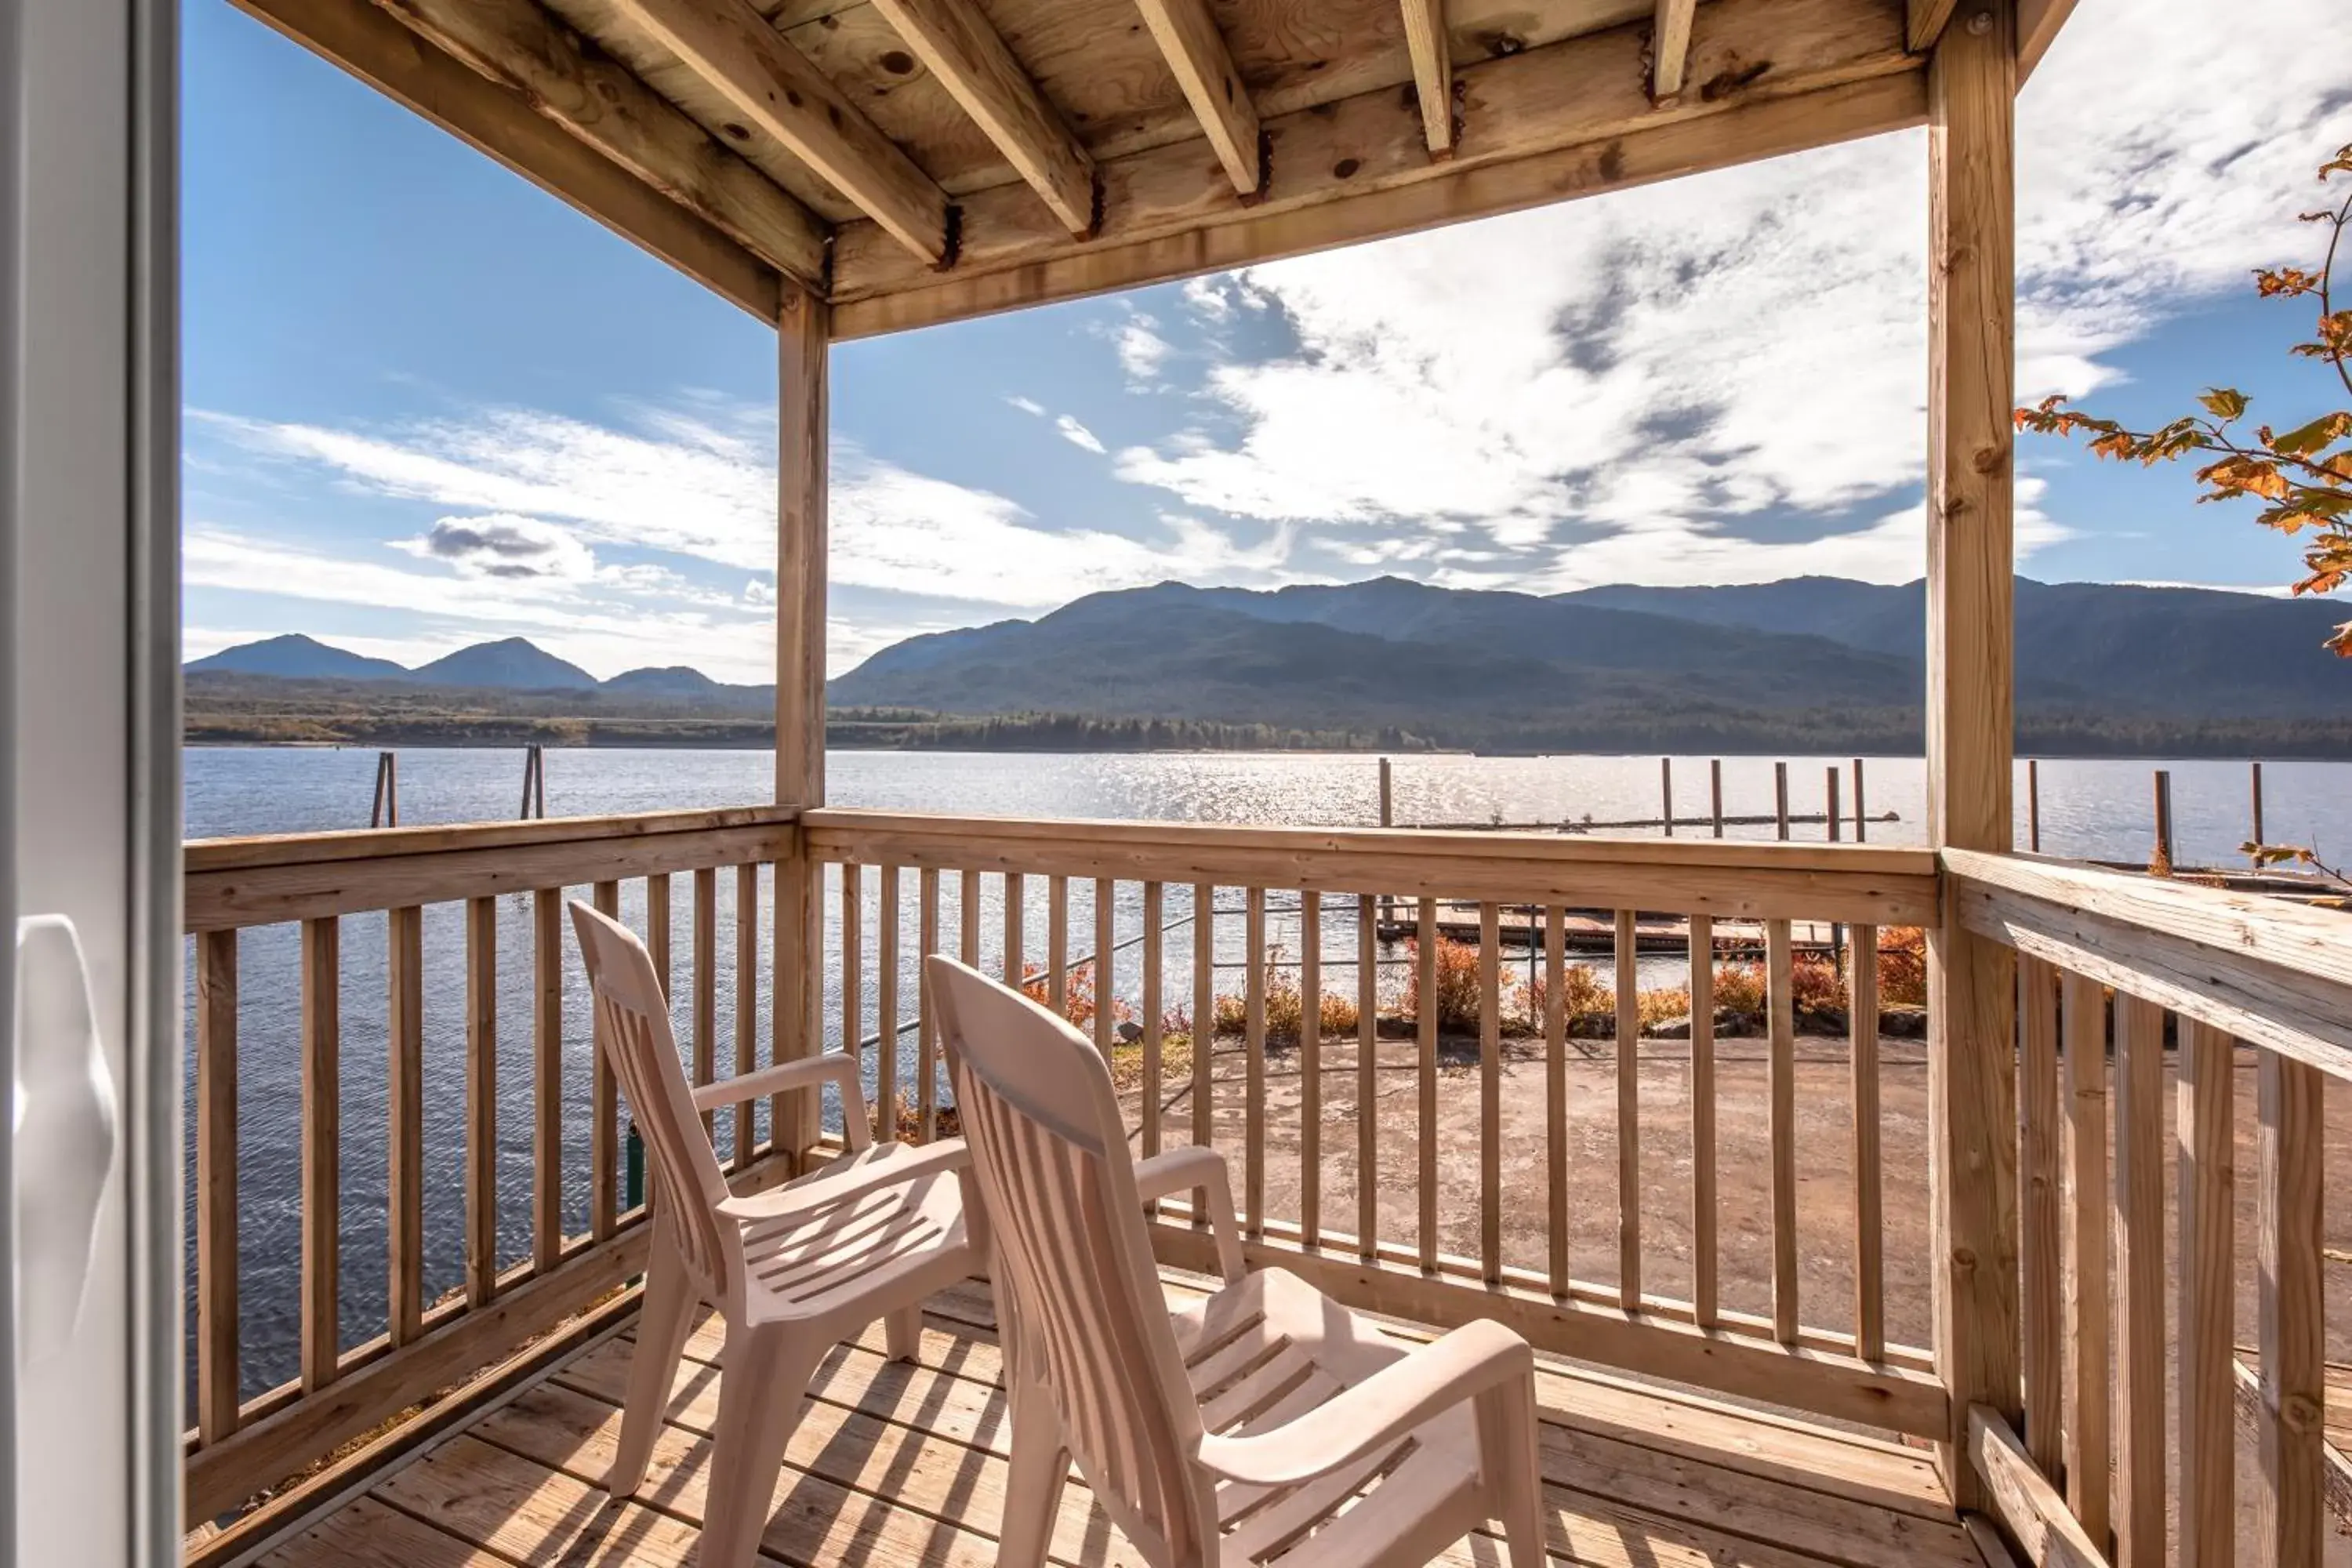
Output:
(903, 1465)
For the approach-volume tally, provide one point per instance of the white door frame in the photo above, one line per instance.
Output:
(89, 736)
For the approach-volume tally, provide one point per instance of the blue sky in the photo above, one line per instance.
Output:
(428, 404)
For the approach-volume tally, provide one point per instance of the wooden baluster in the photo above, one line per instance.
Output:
(403, 1122)
(1705, 1279)
(853, 959)
(926, 1059)
(547, 1079)
(1310, 1068)
(796, 1000)
(604, 1111)
(481, 1100)
(968, 920)
(217, 1299)
(2038, 1179)
(2140, 1436)
(1555, 1028)
(1057, 945)
(747, 1004)
(1015, 948)
(1153, 937)
(1253, 1063)
(1629, 1118)
(705, 986)
(657, 944)
(2204, 1121)
(1368, 1088)
(1779, 1011)
(2085, 1222)
(1490, 1093)
(1204, 1013)
(1106, 971)
(1869, 1162)
(2292, 1527)
(886, 1008)
(1425, 979)
(322, 1050)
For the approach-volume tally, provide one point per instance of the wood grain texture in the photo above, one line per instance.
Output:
(1203, 67)
(604, 1110)
(1971, 308)
(1869, 1161)
(2038, 24)
(772, 83)
(523, 46)
(1310, 1067)
(215, 1181)
(706, 983)
(1780, 1024)
(1167, 210)
(323, 1101)
(2291, 1528)
(2139, 1285)
(1368, 1041)
(1057, 945)
(1425, 966)
(1255, 960)
(2029, 1506)
(1106, 963)
(2039, 1181)
(1432, 71)
(1924, 22)
(1705, 1256)
(1016, 946)
(2084, 1224)
(1490, 1092)
(506, 124)
(1670, 48)
(547, 1078)
(955, 41)
(1629, 1116)
(1205, 1008)
(1154, 1008)
(405, 1122)
(481, 1102)
(747, 1004)
(886, 1004)
(1728, 879)
(2204, 1125)
(804, 427)
(927, 1047)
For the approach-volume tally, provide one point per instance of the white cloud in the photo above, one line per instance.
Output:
(1028, 405)
(503, 545)
(1619, 388)
(1141, 350)
(1078, 435)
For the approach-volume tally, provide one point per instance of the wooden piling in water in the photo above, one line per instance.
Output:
(2258, 806)
(385, 812)
(1715, 771)
(1666, 793)
(534, 783)
(1830, 810)
(1861, 818)
(2162, 861)
(2033, 804)
(1781, 797)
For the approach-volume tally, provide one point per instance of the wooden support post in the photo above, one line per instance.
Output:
(404, 1122)
(803, 334)
(2160, 858)
(1972, 1000)
(1715, 782)
(481, 1100)
(217, 1376)
(1666, 793)
(1780, 799)
(2257, 834)
(322, 1055)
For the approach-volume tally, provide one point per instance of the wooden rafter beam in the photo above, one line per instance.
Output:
(1196, 52)
(1670, 35)
(1432, 72)
(1354, 169)
(521, 45)
(1924, 22)
(2038, 21)
(955, 41)
(731, 46)
(506, 125)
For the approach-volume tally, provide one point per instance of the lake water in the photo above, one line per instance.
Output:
(2093, 808)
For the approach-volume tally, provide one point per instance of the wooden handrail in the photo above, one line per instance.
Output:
(2271, 973)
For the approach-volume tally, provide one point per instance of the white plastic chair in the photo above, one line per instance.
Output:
(793, 1269)
(1265, 1423)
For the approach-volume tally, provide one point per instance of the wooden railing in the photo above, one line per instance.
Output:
(282, 916)
(2107, 964)
(1156, 927)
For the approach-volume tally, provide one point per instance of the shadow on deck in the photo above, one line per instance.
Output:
(905, 1465)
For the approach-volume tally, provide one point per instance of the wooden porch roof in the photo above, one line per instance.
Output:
(913, 162)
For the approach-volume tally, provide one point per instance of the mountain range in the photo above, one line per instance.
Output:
(1811, 661)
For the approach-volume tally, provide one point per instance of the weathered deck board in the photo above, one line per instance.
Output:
(904, 1464)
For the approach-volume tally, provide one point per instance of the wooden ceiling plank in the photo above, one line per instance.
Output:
(1583, 90)
(1668, 151)
(955, 40)
(1670, 34)
(2038, 21)
(1925, 21)
(521, 45)
(503, 123)
(731, 46)
(1204, 69)
(1432, 71)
